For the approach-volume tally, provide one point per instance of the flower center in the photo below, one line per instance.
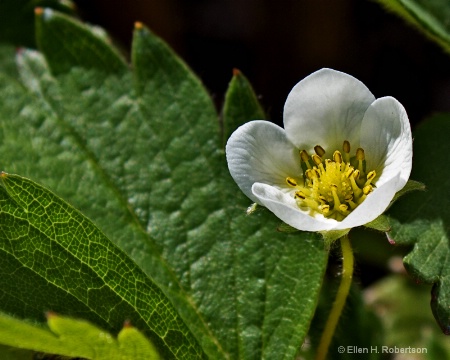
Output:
(332, 187)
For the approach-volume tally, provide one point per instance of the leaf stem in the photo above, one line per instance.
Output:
(341, 296)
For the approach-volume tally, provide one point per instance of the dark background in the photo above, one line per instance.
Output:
(277, 43)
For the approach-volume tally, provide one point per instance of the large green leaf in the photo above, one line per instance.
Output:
(425, 216)
(429, 16)
(141, 153)
(63, 262)
(76, 338)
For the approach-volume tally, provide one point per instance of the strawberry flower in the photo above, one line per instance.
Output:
(338, 162)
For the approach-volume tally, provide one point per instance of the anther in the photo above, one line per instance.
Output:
(305, 158)
(360, 154)
(349, 197)
(322, 199)
(319, 150)
(367, 189)
(337, 157)
(344, 209)
(317, 160)
(325, 209)
(300, 195)
(291, 181)
(346, 147)
(360, 157)
(356, 174)
(349, 171)
(370, 176)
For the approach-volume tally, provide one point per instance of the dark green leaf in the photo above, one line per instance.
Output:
(424, 216)
(241, 104)
(141, 154)
(48, 243)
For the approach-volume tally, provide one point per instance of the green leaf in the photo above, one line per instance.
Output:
(241, 104)
(68, 43)
(67, 259)
(141, 153)
(17, 25)
(76, 338)
(424, 216)
(429, 16)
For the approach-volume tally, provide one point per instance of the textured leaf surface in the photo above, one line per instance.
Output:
(429, 16)
(425, 216)
(76, 338)
(141, 153)
(66, 259)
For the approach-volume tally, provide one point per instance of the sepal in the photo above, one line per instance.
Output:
(381, 223)
(411, 185)
(331, 236)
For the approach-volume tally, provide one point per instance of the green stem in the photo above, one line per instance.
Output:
(341, 296)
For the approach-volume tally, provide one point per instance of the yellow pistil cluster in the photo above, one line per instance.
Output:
(332, 187)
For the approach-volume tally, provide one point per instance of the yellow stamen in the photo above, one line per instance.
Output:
(346, 148)
(317, 160)
(370, 176)
(356, 190)
(291, 181)
(360, 154)
(300, 195)
(337, 202)
(343, 209)
(337, 157)
(325, 209)
(332, 187)
(305, 158)
(319, 150)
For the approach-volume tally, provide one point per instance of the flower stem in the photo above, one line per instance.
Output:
(341, 296)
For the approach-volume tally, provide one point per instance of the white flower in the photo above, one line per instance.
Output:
(338, 162)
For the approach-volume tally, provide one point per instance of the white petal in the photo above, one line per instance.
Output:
(259, 151)
(387, 141)
(285, 208)
(326, 108)
(372, 207)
